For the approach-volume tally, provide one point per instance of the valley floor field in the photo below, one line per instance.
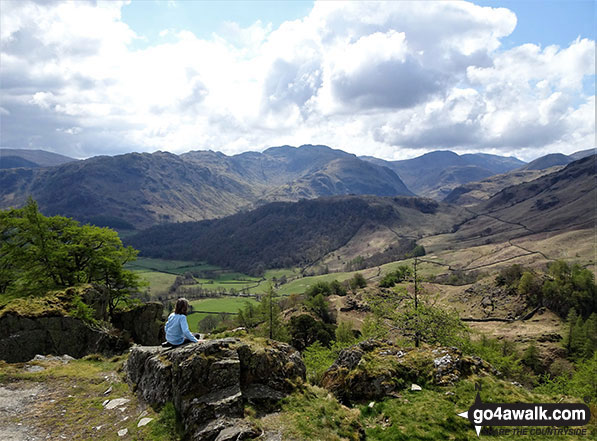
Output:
(205, 307)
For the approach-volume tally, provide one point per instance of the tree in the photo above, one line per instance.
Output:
(394, 277)
(321, 307)
(305, 330)
(570, 287)
(39, 253)
(530, 287)
(590, 331)
(270, 310)
(344, 333)
(208, 323)
(531, 358)
(357, 281)
(416, 317)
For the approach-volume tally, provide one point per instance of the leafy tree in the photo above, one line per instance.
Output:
(531, 359)
(322, 288)
(570, 287)
(590, 331)
(318, 359)
(510, 276)
(417, 251)
(39, 253)
(357, 281)
(320, 306)
(305, 330)
(270, 311)
(416, 317)
(337, 288)
(249, 317)
(530, 287)
(571, 341)
(374, 327)
(208, 323)
(394, 277)
(344, 333)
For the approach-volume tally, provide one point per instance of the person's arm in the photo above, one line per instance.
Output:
(184, 326)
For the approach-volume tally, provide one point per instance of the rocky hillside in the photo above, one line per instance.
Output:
(479, 191)
(560, 201)
(211, 382)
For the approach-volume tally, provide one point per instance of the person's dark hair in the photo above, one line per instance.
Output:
(182, 306)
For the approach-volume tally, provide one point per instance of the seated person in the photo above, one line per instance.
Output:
(177, 328)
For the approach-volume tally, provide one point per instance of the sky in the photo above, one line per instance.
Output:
(387, 79)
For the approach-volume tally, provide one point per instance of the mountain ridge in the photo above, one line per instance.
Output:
(143, 189)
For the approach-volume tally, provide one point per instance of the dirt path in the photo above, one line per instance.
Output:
(16, 400)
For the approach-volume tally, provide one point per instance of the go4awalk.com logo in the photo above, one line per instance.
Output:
(560, 418)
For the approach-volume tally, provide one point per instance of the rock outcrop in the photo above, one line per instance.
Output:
(22, 337)
(210, 382)
(142, 323)
(374, 369)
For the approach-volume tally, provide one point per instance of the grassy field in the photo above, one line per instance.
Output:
(216, 305)
(160, 275)
(299, 286)
(169, 266)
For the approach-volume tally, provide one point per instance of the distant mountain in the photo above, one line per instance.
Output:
(138, 189)
(437, 173)
(582, 154)
(473, 193)
(146, 189)
(287, 234)
(547, 161)
(559, 201)
(12, 158)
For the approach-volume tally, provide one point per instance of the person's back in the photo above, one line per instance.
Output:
(177, 327)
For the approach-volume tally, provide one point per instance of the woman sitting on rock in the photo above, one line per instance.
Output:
(177, 327)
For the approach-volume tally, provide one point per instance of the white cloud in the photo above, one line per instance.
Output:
(388, 79)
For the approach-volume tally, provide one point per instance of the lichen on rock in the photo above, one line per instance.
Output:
(210, 382)
(374, 369)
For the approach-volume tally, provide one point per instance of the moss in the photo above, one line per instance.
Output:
(167, 426)
(312, 413)
(66, 302)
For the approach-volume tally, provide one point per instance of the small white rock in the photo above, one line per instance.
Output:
(144, 421)
(415, 387)
(98, 427)
(112, 404)
(123, 432)
(108, 390)
(371, 404)
(33, 369)
(144, 413)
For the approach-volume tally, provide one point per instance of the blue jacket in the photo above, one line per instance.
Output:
(177, 329)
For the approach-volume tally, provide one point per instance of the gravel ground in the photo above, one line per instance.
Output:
(15, 403)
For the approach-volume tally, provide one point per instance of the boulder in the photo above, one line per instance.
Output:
(22, 337)
(374, 369)
(143, 323)
(210, 382)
